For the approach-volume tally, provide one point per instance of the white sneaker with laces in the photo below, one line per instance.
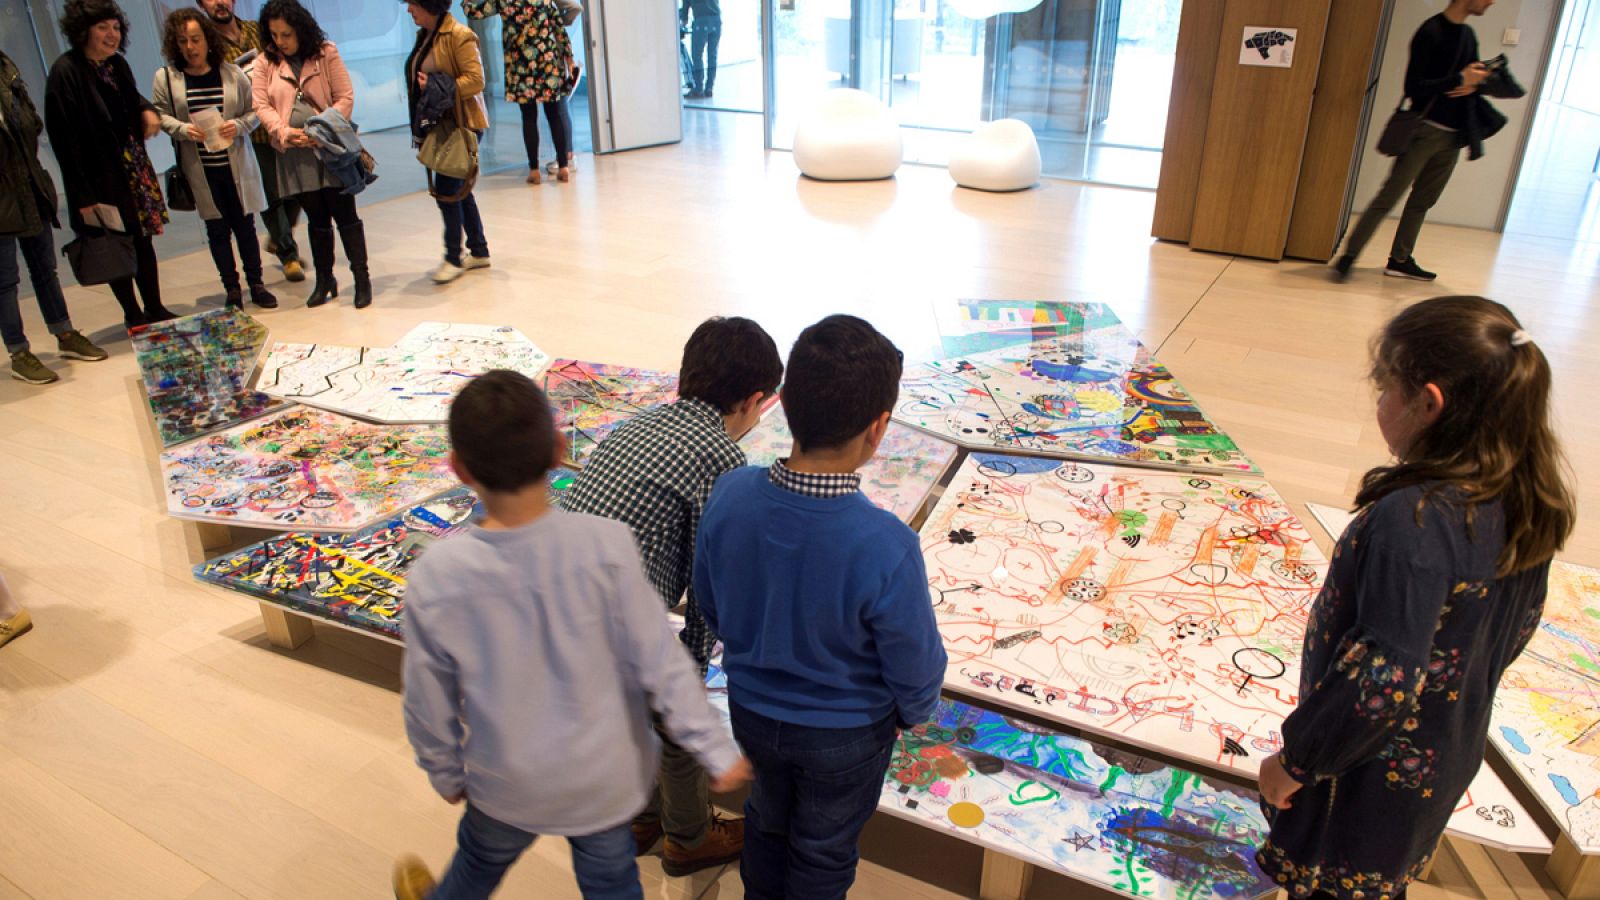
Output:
(447, 272)
(475, 262)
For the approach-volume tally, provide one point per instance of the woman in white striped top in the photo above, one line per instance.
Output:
(197, 88)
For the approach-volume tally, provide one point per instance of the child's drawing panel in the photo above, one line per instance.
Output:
(196, 371)
(591, 399)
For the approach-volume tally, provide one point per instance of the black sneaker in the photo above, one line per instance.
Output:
(1341, 267)
(1408, 269)
(260, 296)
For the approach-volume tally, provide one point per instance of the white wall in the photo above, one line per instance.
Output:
(1478, 189)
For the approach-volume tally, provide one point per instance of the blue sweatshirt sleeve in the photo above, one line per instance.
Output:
(432, 695)
(704, 596)
(908, 641)
(662, 667)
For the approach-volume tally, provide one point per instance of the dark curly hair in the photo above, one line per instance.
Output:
(297, 17)
(432, 7)
(82, 15)
(176, 25)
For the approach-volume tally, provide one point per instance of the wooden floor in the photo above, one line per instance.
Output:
(152, 744)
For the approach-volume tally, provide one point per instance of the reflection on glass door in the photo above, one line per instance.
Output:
(1091, 77)
(719, 54)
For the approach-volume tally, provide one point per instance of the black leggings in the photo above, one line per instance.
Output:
(233, 225)
(560, 121)
(146, 277)
(327, 207)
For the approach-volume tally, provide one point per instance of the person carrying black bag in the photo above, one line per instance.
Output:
(98, 122)
(1444, 80)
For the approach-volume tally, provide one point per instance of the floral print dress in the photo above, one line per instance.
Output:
(1406, 643)
(538, 52)
(143, 185)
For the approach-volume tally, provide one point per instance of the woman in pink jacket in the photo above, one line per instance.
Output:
(301, 76)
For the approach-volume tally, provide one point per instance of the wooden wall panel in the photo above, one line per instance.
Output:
(1336, 118)
(1257, 132)
(1199, 29)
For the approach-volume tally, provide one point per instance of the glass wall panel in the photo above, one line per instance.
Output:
(737, 83)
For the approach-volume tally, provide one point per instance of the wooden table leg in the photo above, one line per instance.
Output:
(285, 629)
(214, 538)
(1004, 877)
(1576, 876)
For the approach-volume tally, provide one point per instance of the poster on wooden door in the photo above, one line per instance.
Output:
(1266, 45)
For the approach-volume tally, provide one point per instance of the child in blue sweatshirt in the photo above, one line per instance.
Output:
(821, 601)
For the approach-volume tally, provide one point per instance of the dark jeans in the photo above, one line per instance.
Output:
(681, 801)
(146, 276)
(234, 225)
(460, 216)
(560, 121)
(327, 207)
(1424, 170)
(704, 36)
(281, 212)
(814, 790)
(486, 848)
(39, 251)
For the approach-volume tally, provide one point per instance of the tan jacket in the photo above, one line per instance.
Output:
(455, 53)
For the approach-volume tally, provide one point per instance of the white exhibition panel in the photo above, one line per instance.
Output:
(633, 67)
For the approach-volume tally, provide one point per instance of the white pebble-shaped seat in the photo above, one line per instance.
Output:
(848, 135)
(1000, 156)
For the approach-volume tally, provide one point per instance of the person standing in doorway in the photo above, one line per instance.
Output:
(540, 69)
(27, 221)
(704, 36)
(241, 38)
(1442, 80)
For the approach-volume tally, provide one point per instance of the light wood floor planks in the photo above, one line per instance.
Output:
(152, 744)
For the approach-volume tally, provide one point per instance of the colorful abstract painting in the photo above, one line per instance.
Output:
(306, 469)
(899, 478)
(591, 399)
(1094, 393)
(357, 580)
(412, 382)
(1163, 609)
(1547, 708)
(196, 373)
(1099, 815)
(974, 326)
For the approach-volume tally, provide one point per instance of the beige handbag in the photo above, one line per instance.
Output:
(450, 150)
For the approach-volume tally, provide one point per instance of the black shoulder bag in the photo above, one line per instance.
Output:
(1401, 130)
(180, 195)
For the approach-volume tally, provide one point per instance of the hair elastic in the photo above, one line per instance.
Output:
(1520, 337)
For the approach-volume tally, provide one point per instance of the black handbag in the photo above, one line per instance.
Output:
(101, 258)
(179, 195)
(1401, 129)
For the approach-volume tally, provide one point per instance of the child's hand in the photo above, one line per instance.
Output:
(455, 800)
(737, 776)
(1277, 788)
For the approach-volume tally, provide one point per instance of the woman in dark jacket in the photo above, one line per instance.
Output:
(98, 122)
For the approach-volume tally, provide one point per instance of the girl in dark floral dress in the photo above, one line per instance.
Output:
(540, 69)
(1434, 589)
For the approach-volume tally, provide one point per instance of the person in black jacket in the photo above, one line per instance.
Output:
(27, 217)
(98, 123)
(1442, 79)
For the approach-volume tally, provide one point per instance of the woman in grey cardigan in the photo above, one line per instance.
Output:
(226, 181)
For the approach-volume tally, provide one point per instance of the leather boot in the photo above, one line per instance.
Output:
(325, 289)
(354, 237)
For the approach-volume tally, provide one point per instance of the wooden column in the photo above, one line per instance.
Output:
(285, 629)
(1332, 139)
(1004, 877)
(1577, 876)
(1256, 132)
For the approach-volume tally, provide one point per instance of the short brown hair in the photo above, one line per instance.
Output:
(177, 22)
(1493, 439)
(502, 431)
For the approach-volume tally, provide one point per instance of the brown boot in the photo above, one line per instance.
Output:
(645, 835)
(412, 880)
(723, 844)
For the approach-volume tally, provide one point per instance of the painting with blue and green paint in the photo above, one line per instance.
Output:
(196, 373)
(1100, 815)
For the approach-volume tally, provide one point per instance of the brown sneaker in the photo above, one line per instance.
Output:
(645, 835)
(723, 844)
(293, 272)
(73, 345)
(412, 880)
(15, 627)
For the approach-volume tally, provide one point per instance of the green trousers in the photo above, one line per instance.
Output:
(1424, 170)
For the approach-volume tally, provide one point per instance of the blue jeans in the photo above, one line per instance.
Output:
(814, 790)
(486, 848)
(459, 216)
(40, 253)
(704, 36)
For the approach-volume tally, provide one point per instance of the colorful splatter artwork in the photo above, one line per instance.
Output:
(357, 580)
(975, 326)
(1163, 609)
(1093, 393)
(899, 478)
(196, 370)
(412, 382)
(306, 469)
(592, 399)
(1547, 708)
(1103, 816)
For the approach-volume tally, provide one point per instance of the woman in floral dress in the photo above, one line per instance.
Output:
(540, 69)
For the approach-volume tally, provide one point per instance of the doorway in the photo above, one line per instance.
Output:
(1558, 188)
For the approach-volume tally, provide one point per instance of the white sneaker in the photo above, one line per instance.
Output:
(553, 165)
(447, 272)
(475, 262)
